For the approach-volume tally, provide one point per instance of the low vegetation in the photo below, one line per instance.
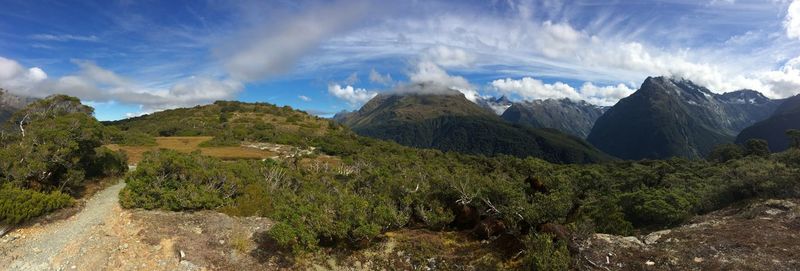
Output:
(375, 186)
(187, 144)
(230, 123)
(48, 152)
(382, 186)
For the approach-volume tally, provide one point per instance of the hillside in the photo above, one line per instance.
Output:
(230, 123)
(447, 121)
(670, 117)
(773, 129)
(571, 117)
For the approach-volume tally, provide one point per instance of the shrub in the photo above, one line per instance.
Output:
(170, 180)
(725, 152)
(20, 205)
(757, 147)
(659, 207)
(545, 254)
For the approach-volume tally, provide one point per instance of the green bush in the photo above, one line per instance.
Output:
(545, 254)
(170, 180)
(20, 205)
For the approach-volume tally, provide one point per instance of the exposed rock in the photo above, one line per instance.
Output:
(614, 240)
(757, 236)
(784, 205)
(653, 237)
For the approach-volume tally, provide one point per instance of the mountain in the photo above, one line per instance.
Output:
(342, 116)
(496, 105)
(10, 103)
(571, 117)
(670, 117)
(773, 129)
(444, 119)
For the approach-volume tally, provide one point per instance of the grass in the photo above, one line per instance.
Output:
(189, 144)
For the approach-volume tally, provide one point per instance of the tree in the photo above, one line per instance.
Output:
(794, 138)
(725, 152)
(757, 147)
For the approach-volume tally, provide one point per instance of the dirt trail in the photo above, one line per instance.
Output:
(100, 237)
(37, 247)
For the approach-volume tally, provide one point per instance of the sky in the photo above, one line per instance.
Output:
(129, 57)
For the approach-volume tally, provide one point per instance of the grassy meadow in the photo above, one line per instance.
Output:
(187, 144)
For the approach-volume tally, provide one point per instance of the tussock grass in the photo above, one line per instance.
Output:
(186, 144)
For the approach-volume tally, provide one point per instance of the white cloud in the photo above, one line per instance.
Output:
(96, 84)
(557, 39)
(785, 81)
(199, 90)
(304, 98)
(533, 89)
(606, 95)
(792, 21)
(274, 47)
(609, 52)
(429, 72)
(17, 79)
(530, 88)
(91, 71)
(354, 96)
(376, 77)
(446, 56)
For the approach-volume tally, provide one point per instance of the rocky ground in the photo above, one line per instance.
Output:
(759, 235)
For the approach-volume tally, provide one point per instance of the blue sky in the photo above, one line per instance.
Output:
(132, 57)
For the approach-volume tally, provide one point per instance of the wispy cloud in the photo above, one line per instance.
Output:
(376, 77)
(64, 37)
(273, 48)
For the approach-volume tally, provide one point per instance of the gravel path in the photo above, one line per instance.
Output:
(37, 249)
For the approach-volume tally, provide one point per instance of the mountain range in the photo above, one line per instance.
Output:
(572, 117)
(773, 129)
(431, 116)
(670, 117)
(665, 117)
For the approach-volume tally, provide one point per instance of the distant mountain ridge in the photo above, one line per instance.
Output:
(670, 117)
(773, 129)
(494, 104)
(444, 119)
(572, 117)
